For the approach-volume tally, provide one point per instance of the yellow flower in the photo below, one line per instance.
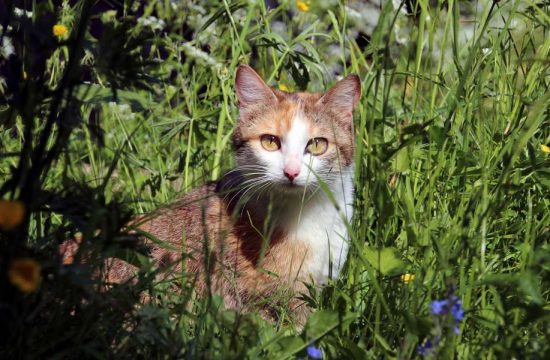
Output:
(545, 148)
(25, 274)
(12, 214)
(283, 87)
(303, 6)
(59, 30)
(407, 278)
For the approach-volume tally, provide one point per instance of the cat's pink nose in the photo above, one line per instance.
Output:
(291, 174)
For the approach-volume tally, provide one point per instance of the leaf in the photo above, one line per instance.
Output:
(385, 260)
(352, 351)
(322, 322)
(299, 71)
(402, 160)
(528, 283)
(290, 345)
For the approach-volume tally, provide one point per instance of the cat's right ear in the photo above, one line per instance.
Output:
(251, 89)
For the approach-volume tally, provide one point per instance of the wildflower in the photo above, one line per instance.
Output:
(11, 214)
(456, 308)
(198, 54)
(6, 48)
(453, 305)
(314, 352)
(545, 148)
(283, 87)
(446, 309)
(22, 13)
(438, 307)
(424, 349)
(25, 274)
(303, 6)
(152, 22)
(59, 30)
(407, 278)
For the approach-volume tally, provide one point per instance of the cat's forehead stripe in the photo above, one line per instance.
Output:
(298, 133)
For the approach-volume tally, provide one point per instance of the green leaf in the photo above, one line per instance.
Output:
(321, 322)
(402, 160)
(289, 345)
(385, 260)
(529, 284)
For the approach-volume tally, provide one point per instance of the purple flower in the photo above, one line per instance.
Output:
(446, 308)
(314, 352)
(456, 308)
(424, 349)
(439, 307)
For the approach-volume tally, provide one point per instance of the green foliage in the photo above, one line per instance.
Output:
(135, 106)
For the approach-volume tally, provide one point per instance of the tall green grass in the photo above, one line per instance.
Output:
(452, 179)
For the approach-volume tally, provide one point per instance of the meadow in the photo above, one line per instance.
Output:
(114, 108)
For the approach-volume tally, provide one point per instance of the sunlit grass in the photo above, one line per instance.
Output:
(451, 171)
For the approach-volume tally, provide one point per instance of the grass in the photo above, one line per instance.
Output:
(452, 176)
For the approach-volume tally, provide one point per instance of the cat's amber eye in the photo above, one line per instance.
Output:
(317, 146)
(270, 142)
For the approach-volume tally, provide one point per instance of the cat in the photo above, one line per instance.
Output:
(279, 219)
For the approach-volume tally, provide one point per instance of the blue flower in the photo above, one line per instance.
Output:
(424, 349)
(449, 309)
(439, 307)
(314, 352)
(456, 308)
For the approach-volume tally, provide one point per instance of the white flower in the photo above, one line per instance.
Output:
(22, 13)
(152, 22)
(7, 48)
(198, 54)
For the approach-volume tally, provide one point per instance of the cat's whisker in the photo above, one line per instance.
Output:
(242, 189)
(244, 169)
(263, 188)
(257, 187)
(247, 186)
(245, 200)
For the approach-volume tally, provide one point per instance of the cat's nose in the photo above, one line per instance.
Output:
(291, 174)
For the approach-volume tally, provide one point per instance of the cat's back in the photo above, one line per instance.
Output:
(190, 232)
(199, 215)
(187, 227)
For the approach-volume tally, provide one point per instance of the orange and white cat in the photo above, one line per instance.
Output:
(268, 226)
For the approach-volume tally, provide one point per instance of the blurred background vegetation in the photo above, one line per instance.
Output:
(114, 108)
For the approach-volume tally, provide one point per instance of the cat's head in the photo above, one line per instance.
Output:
(291, 140)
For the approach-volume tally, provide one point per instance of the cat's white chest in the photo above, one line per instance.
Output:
(323, 226)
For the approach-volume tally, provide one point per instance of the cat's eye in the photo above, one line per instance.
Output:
(270, 142)
(317, 146)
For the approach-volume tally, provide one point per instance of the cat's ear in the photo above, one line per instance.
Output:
(344, 96)
(250, 87)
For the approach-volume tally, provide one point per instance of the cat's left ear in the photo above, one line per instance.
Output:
(344, 96)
